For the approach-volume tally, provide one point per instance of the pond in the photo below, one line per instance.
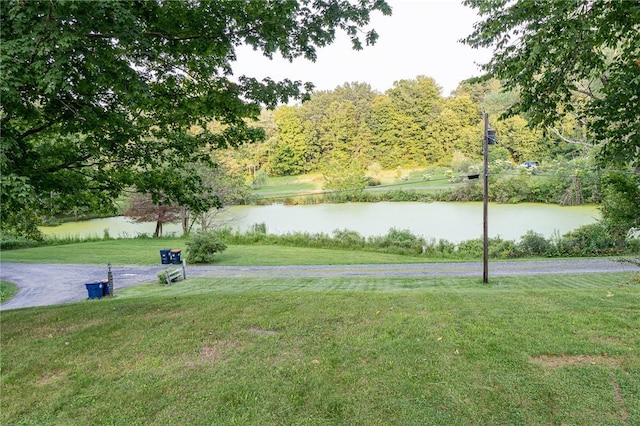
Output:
(451, 221)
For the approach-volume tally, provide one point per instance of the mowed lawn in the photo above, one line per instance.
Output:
(543, 350)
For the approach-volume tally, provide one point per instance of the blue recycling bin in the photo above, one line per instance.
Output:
(95, 290)
(175, 256)
(165, 256)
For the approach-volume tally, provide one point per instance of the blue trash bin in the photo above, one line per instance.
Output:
(94, 290)
(165, 256)
(175, 256)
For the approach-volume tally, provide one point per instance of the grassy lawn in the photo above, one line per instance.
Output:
(147, 252)
(7, 290)
(536, 350)
(544, 350)
(291, 185)
(423, 180)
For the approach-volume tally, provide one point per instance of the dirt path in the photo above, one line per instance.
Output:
(52, 284)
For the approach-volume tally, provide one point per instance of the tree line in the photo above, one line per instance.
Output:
(410, 125)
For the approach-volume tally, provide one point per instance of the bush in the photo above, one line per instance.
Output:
(202, 247)
(14, 243)
(471, 248)
(402, 241)
(533, 244)
(587, 240)
(348, 239)
(373, 181)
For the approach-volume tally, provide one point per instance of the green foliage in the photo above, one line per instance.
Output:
(588, 240)
(398, 241)
(588, 69)
(13, 243)
(202, 246)
(621, 204)
(348, 239)
(261, 179)
(340, 174)
(99, 97)
(533, 244)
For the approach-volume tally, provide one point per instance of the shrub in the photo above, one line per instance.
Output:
(202, 247)
(471, 248)
(14, 243)
(373, 181)
(348, 239)
(399, 241)
(533, 244)
(587, 240)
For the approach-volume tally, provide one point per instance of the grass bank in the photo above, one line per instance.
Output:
(536, 350)
(7, 290)
(146, 252)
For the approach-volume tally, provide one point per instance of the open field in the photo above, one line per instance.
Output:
(421, 180)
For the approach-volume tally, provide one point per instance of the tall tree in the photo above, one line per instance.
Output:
(569, 56)
(95, 95)
(456, 129)
(290, 151)
(418, 98)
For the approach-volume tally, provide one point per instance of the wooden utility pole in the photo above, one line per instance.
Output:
(485, 202)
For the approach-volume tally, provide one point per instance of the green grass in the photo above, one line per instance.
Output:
(291, 185)
(7, 290)
(147, 252)
(544, 350)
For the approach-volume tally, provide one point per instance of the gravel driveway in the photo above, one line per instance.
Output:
(52, 284)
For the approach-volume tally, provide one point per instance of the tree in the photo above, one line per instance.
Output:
(456, 129)
(97, 95)
(289, 154)
(569, 57)
(143, 209)
(620, 203)
(230, 188)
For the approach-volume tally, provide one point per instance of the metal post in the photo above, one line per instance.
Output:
(485, 202)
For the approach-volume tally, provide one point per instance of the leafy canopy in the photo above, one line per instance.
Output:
(577, 57)
(97, 97)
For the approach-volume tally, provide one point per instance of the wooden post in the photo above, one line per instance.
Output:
(110, 279)
(485, 202)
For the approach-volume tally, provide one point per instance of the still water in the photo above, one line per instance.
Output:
(451, 221)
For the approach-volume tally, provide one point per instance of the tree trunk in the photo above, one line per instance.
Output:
(159, 223)
(185, 221)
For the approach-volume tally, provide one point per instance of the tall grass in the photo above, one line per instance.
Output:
(588, 240)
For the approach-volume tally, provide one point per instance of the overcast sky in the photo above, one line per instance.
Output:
(420, 38)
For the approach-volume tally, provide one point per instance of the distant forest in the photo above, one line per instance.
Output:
(410, 125)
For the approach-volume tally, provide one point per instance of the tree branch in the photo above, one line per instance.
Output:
(36, 130)
(571, 141)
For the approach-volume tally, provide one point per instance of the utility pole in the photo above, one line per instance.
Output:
(485, 202)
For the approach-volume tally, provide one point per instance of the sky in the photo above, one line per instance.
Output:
(421, 37)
